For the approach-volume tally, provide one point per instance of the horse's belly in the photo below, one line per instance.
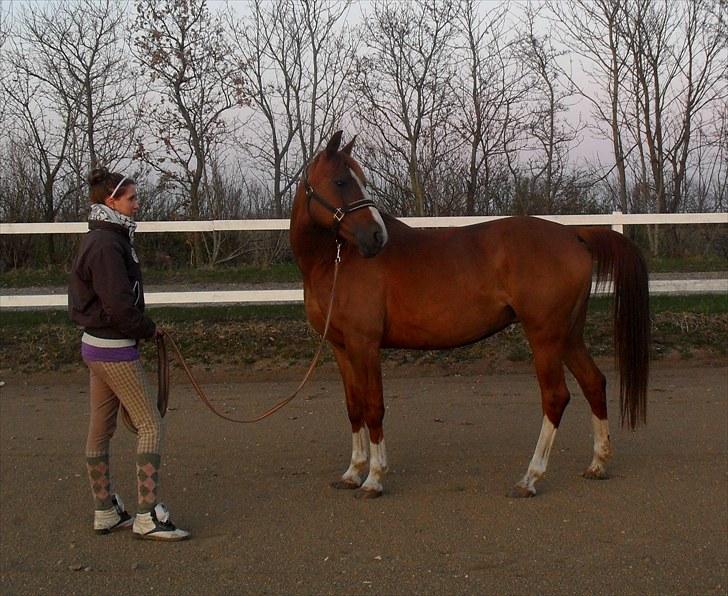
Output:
(445, 329)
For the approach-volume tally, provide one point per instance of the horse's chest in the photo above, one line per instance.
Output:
(314, 311)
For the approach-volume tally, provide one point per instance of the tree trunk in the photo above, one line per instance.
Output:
(415, 183)
(616, 134)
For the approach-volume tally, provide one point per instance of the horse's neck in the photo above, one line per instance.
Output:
(311, 245)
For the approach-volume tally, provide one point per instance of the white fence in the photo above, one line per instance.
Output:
(616, 220)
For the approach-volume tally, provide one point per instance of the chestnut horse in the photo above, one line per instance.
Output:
(400, 287)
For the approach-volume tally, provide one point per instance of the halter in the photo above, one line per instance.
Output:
(337, 212)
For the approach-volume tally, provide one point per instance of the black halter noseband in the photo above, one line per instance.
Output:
(337, 212)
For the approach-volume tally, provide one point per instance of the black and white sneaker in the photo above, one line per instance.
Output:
(156, 525)
(112, 519)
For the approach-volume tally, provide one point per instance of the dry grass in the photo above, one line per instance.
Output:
(273, 337)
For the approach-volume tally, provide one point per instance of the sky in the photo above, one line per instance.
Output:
(593, 147)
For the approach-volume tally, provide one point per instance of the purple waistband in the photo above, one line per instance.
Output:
(95, 354)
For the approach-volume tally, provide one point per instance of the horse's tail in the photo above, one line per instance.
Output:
(619, 260)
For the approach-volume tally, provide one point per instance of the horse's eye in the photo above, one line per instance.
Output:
(341, 182)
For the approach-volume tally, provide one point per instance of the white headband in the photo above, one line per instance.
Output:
(117, 186)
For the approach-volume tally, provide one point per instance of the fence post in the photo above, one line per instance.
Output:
(617, 227)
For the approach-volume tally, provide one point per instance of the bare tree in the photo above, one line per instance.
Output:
(44, 116)
(718, 177)
(296, 58)
(184, 53)
(86, 60)
(592, 30)
(701, 68)
(676, 66)
(402, 84)
(549, 135)
(19, 193)
(677, 59)
(489, 93)
(706, 182)
(3, 23)
(4, 32)
(83, 57)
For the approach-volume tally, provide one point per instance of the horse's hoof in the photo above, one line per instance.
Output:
(345, 485)
(368, 493)
(595, 474)
(522, 492)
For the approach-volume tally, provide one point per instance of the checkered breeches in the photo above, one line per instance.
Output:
(112, 383)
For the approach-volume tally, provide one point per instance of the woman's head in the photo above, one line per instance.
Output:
(113, 190)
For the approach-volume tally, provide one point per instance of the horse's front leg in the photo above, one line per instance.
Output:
(362, 377)
(353, 478)
(378, 467)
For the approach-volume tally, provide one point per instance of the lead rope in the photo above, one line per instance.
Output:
(163, 370)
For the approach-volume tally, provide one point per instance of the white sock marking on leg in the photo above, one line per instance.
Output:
(359, 457)
(540, 459)
(377, 467)
(602, 447)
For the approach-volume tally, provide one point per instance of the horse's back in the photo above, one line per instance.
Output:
(452, 286)
(517, 243)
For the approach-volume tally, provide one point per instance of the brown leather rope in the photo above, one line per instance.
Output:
(163, 370)
(162, 384)
(162, 375)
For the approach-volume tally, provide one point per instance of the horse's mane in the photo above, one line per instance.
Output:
(389, 220)
(392, 222)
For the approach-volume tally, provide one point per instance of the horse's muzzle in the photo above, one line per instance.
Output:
(371, 239)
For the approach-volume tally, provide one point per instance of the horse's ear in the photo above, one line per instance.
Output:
(349, 146)
(333, 147)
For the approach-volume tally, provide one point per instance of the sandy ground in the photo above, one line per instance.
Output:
(265, 521)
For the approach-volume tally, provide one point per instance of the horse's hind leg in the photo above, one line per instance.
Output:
(554, 398)
(593, 384)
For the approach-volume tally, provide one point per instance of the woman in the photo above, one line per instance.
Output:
(106, 298)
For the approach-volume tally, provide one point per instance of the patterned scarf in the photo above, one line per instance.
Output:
(100, 212)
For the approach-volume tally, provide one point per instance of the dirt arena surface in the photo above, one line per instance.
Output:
(265, 521)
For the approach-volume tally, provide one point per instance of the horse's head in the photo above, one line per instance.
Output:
(337, 198)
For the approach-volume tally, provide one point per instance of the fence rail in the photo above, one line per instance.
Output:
(615, 220)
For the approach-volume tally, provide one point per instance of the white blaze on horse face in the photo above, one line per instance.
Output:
(375, 213)
(377, 467)
(602, 447)
(359, 457)
(540, 459)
